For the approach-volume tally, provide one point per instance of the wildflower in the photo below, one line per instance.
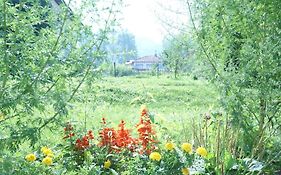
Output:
(107, 164)
(144, 110)
(202, 151)
(155, 156)
(185, 171)
(46, 151)
(108, 137)
(47, 161)
(103, 121)
(83, 143)
(124, 138)
(68, 131)
(90, 134)
(30, 157)
(169, 146)
(68, 135)
(146, 133)
(68, 127)
(187, 147)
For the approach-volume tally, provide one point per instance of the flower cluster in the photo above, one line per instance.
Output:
(186, 148)
(124, 138)
(108, 136)
(84, 142)
(68, 131)
(47, 153)
(121, 138)
(146, 133)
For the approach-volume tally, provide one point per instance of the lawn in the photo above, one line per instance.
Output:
(173, 102)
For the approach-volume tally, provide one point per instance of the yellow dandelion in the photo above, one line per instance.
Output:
(169, 146)
(202, 151)
(30, 157)
(187, 147)
(47, 161)
(185, 171)
(46, 151)
(107, 164)
(155, 156)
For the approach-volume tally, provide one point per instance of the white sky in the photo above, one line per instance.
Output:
(141, 18)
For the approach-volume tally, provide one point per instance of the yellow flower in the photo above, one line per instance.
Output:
(187, 147)
(155, 156)
(169, 146)
(201, 151)
(50, 155)
(47, 151)
(107, 164)
(30, 157)
(47, 161)
(185, 171)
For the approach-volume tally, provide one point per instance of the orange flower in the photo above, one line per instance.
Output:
(84, 142)
(108, 137)
(124, 138)
(146, 133)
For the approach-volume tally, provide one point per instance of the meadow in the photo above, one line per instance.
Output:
(174, 103)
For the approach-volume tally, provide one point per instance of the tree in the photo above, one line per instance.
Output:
(176, 54)
(122, 47)
(42, 67)
(241, 42)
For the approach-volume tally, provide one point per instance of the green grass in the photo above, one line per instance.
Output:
(174, 102)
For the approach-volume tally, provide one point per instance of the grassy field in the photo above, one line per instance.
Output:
(173, 102)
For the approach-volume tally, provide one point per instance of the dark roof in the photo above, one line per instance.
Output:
(151, 58)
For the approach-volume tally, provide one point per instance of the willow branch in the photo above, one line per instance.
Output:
(86, 72)
(201, 45)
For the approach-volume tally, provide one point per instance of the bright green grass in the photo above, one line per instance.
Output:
(173, 102)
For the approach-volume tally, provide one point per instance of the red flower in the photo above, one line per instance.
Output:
(108, 137)
(68, 131)
(90, 134)
(146, 133)
(124, 138)
(84, 142)
(68, 127)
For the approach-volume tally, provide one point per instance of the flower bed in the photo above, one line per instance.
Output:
(117, 151)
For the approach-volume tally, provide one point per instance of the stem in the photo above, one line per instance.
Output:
(52, 50)
(201, 45)
(48, 58)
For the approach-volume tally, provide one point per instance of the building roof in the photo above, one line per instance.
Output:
(150, 58)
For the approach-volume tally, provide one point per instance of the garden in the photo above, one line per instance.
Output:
(70, 104)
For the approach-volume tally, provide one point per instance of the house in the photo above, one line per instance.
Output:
(147, 63)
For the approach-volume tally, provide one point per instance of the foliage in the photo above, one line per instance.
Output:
(177, 53)
(45, 58)
(240, 40)
(121, 47)
(120, 70)
(79, 153)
